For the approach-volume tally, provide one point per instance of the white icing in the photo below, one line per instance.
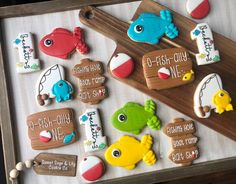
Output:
(93, 130)
(27, 62)
(87, 163)
(191, 5)
(207, 53)
(118, 60)
(204, 93)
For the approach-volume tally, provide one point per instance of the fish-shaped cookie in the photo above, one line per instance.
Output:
(128, 151)
(133, 117)
(149, 27)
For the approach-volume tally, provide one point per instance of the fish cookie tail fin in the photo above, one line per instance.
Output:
(147, 141)
(154, 123)
(81, 45)
(150, 158)
(172, 31)
(166, 15)
(150, 106)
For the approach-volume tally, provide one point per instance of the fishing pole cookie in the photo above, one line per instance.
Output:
(52, 84)
(51, 129)
(210, 95)
(150, 28)
(205, 42)
(91, 81)
(27, 62)
(133, 117)
(128, 151)
(61, 43)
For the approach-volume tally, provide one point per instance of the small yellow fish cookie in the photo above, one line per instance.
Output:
(128, 151)
(222, 101)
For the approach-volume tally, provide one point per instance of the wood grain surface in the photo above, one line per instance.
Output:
(180, 98)
(217, 152)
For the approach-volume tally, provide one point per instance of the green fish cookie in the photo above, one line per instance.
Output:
(133, 117)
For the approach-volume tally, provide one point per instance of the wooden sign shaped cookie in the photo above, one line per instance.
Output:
(183, 141)
(167, 68)
(55, 164)
(91, 80)
(51, 129)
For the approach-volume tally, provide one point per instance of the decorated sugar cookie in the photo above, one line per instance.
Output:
(51, 128)
(27, 62)
(210, 95)
(207, 53)
(183, 141)
(133, 117)
(93, 129)
(167, 68)
(91, 168)
(128, 151)
(51, 84)
(61, 43)
(150, 28)
(121, 65)
(198, 9)
(91, 81)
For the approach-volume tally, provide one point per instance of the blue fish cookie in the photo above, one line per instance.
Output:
(149, 28)
(62, 90)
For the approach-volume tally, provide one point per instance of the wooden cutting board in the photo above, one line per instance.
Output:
(180, 98)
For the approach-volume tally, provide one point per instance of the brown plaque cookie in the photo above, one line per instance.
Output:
(184, 141)
(51, 129)
(167, 68)
(91, 80)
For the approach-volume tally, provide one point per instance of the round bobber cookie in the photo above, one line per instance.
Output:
(91, 168)
(121, 65)
(198, 9)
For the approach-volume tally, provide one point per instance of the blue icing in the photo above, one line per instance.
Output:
(17, 41)
(84, 118)
(196, 32)
(149, 27)
(68, 138)
(62, 90)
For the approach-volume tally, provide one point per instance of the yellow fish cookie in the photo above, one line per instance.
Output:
(222, 101)
(128, 151)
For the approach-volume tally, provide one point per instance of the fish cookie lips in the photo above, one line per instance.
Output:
(128, 151)
(209, 95)
(168, 68)
(133, 117)
(61, 43)
(150, 28)
(51, 129)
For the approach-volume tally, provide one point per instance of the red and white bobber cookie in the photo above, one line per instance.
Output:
(198, 9)
(121, 65)
(45, 136)
(91, 168)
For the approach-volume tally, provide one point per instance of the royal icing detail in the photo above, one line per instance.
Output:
(207, 53)
(91, 168)
(210, 95)
(91, 81)
(94, 138)
(167, 68)
(51, 129)
(55, 164)
(128, 151)
(198, 9)
(61, 43)
(27, 62)
(183, 141)
(133, 117)
(149, 28)
(121, 65)
(51, 84)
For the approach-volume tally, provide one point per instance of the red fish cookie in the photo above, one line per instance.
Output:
(62, 42)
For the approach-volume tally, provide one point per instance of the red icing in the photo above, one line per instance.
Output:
(44, 139)
(64, 43)
(94, 173)
(163, 75)
(124, 70)
(202, 10)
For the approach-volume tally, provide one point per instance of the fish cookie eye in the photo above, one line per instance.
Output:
(48, 42)
(116, 153)
(60, 84)
(121, 118)
(221, 94)
(138, 28)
